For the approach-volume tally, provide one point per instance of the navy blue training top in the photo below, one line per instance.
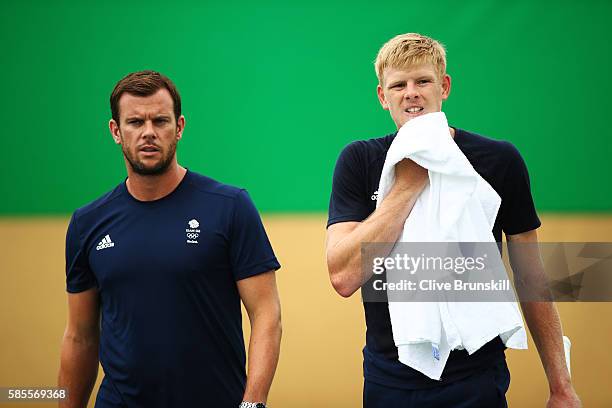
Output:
(166, 272)
(353, 198)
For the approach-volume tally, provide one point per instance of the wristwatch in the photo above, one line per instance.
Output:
(246, 404)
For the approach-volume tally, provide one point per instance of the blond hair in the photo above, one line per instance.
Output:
(410, 49)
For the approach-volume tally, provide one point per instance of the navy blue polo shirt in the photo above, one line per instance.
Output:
(353, 198)
(166, 272)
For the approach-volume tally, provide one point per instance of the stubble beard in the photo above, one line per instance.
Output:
(160, 168)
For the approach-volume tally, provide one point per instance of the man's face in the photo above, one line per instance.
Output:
(148, 131)
(413, 91)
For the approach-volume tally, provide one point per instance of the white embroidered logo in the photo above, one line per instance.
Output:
(192, 232)
(105, 243)
(375, 196)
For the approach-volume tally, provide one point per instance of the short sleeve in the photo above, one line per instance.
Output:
(347, 201)
(79, 276)
(518, 212)
(250, 249)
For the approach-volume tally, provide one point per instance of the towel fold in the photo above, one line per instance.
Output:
(457, 205)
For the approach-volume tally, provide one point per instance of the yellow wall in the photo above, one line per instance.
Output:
(323, 333)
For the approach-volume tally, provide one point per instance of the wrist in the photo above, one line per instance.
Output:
(562, 386)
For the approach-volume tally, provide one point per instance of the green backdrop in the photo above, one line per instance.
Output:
(272, 91)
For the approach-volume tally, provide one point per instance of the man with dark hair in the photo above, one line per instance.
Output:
(156, 270)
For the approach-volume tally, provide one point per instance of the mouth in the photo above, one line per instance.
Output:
(414, 111)
(149, 150)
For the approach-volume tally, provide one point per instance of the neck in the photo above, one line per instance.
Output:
(149, 188)
(452, 131)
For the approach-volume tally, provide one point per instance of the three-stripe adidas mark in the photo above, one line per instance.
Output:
(105, 243)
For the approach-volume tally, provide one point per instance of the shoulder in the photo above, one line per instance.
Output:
(102, 203)
(477, 145)
(371, 146)
(211, 187)
(368, 150)
(474, 140)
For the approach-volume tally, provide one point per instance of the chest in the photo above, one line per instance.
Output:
(166, 248)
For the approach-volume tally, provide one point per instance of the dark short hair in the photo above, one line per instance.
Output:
(144, 83)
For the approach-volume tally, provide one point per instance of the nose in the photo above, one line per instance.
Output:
(411, 91)
(148, 131)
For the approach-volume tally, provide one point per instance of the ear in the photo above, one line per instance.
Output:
(381, 97)
(446, 87)
(115, 132)
(180, 126)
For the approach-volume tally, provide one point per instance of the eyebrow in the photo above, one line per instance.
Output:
(397, 82)
(139, 117)
(416, 78)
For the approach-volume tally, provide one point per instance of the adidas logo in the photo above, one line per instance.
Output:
(105, 243)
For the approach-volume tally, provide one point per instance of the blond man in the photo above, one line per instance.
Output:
(411, 70)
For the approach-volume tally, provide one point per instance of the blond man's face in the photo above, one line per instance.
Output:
(413, 91)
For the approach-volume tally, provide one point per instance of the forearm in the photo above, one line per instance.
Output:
(78, 369)
(545, 327)
(264, 349)
(384, 225)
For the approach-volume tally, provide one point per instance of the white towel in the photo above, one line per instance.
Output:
(457, 205)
